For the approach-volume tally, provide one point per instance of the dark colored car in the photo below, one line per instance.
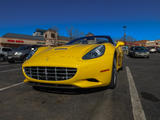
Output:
(158, 49)
(138, 51)
(20, 53)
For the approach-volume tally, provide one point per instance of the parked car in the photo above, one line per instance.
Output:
(20, 53)
(4, 53)
(138, 51)
(158, 49)
(152, 49)
(125, 49)
(85, 62)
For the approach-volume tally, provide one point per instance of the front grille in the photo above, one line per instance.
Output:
(50, 73)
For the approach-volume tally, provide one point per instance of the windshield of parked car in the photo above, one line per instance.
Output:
(22, 48)
(91, 40)
(6, 49)
(140, 48)
(158, 48)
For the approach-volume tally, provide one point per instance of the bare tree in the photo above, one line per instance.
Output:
(129, 39)
(74, 33)
(70, 32)
(55, 28)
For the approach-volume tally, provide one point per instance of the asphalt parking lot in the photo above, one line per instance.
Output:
(19, 101)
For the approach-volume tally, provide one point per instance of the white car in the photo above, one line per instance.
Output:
(152, 50)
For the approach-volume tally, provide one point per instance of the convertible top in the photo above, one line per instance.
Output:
(91, 37)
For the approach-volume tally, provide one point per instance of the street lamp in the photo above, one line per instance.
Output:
(124, 29)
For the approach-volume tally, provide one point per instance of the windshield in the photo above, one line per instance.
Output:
(22, 48)
(140, 48)
(6, 49)
(91, 40)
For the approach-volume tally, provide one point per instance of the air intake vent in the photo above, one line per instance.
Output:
(50, 73)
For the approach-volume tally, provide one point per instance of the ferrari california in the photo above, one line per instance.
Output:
(86, 62)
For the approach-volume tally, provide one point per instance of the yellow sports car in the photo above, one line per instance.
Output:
(85, 62)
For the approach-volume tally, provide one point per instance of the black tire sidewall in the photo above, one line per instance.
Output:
(113, 79)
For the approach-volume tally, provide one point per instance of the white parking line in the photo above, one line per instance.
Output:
(138, 112)
(9, 70)
(14, 85)
(7, 65)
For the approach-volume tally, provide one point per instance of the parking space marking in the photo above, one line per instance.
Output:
(9, 70)
(11, 86)
(126, 57)
(8, 65)
(137, 109)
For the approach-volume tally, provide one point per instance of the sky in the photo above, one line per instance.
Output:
(101, 17)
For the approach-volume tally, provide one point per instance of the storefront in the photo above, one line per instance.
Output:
(16, 40)
(13, 42)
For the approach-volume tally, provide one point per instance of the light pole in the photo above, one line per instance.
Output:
(124, 29)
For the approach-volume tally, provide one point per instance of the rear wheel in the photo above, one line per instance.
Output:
(114, 76)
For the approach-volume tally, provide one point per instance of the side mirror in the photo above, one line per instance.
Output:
(119, 43)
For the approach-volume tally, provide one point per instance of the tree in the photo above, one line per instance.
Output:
(74, 33)
(70, 32)
(55, 28)
(129, 39)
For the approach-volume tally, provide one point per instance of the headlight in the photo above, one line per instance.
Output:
(31, 53)
(18, 53)
(96, 52)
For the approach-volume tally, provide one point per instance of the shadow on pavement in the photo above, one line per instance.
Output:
(70, 91)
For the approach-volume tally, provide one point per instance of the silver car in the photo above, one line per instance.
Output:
(138, 51)
(4, 53)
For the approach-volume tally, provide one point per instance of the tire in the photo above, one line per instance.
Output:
(1, 58)
(114, 76)
(11, 61)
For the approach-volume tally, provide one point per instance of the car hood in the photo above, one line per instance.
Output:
(59, 56)
(22, 51)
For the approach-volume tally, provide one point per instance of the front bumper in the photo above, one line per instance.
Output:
(52, 85)
(88, 75)
(15, 57)
(142, 55)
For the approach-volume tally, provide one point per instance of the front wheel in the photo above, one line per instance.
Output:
(114, 76)
(1, 58)
(11, 61)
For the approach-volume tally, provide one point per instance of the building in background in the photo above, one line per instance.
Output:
(157, 43)
(140, 43)
(89, 34)
(145, 43)
(137, 43)
(51, 37)
(150, 43)
(39, 37)
(39, 32)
